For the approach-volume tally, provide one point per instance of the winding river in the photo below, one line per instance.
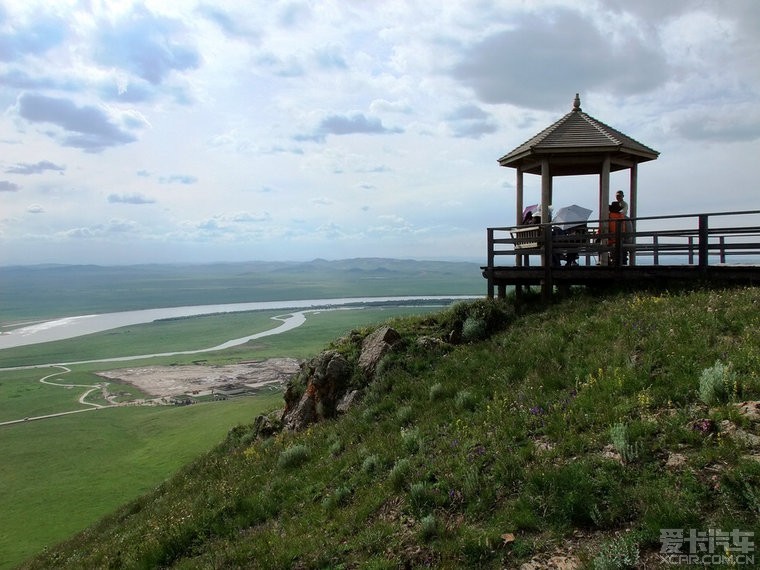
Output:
(71, 327)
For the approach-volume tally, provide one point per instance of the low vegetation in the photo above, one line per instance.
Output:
(581, 429)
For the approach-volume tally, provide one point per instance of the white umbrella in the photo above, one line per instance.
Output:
(569, 216)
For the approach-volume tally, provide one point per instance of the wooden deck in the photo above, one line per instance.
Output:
(715, 247)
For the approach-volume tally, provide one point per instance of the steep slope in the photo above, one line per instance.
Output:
(590, 432)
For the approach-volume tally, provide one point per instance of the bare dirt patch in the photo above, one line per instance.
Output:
(162, 381)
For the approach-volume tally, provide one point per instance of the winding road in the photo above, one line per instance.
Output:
(288, 322)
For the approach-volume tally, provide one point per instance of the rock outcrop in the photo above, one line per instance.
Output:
(374, 347)
(314, 393)
(323, 388)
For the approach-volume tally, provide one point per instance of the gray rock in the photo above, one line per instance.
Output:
(348, 401)
(374, 347)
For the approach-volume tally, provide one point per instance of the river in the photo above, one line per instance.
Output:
(80, 325)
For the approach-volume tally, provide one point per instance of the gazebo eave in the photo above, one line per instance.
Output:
(567, 163)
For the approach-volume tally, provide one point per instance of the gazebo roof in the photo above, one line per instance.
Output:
(577, 144)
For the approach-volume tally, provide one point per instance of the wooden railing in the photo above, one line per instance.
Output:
(687, 239)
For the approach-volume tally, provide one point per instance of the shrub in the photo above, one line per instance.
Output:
(474, 329)
(716, 383)
(293, 456)
(465, 400)
(437, 392)
(620, 441)
(477, 320)
(405, 414)
(336, 447)
(399, 474)
(410, 440)
(338, 498)
(420, 495)
(370, 464)
(618, 554)
(429, 527)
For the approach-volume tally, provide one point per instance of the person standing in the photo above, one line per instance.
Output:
(616, 217)
(620, 197)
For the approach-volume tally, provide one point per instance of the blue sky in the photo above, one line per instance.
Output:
(196, 131)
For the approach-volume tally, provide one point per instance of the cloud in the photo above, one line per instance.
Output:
(149, 46)
(294, 14)
(34, 38)
(134, 198)
(37, 168)
(541, 59)
(6, 186)
(117, 226)
(384, 106)
(330, 57)
(88, 127)
(178, 179)
(134, 90)
(723, 124)
(288, 67)
(247, 217)
(353, 123)
(231, 26)
(23, 80)
(470, 121)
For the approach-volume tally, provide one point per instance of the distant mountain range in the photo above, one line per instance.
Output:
(42, 291)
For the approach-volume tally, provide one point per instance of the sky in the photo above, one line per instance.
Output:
(197, 131)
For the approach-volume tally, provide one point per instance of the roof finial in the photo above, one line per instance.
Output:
(577, 103)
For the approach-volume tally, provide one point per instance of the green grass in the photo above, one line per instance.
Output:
(59, 475)
(510, 437)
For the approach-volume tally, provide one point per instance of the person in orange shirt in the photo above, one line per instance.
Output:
(617, 217)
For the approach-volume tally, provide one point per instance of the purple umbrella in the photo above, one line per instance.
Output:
(529, 210)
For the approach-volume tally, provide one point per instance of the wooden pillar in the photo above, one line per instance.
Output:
(519, 201)
(604, 190)
(519, 204)
(546, 196)
(604, 201)
(546, 190)
(547, 287)
(633, 193)
(633, 207)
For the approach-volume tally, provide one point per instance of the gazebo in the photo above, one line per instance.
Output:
(577, 144)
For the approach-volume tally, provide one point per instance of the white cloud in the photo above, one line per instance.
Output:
(133, 198)
(317, 130)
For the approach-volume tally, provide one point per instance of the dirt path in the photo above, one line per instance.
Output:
(83, 397)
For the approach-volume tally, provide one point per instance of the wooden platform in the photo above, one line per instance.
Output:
(717, 247)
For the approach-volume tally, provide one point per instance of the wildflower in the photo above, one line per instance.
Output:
(703, 426)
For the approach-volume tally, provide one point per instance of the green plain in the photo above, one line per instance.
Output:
(62, 474)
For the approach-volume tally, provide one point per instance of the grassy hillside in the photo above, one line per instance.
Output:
(581, 430)
(60, 475)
